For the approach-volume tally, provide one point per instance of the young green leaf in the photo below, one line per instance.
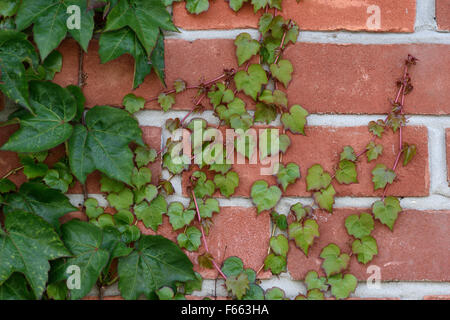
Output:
(287, 174)
(409, 151)
(304, 234)
(377, 128)
(203, 187)
(275, 294)
(387, 211)
(166, 101)
(252, 81)
(301, 211)
(144, 156)
(334, 262)
(279, 244)
(382, 176)
(347, 172)
(236, 4)
(178, 216)
(276, 264)
(365, 248)
(121, 200)
(348, 154)
(325, 198)
(361, 226)
(233, 266)
(92, 208)
(6, 186)
(341, 287)
(246, 47)
(313, 281)
(141, 177)
(282, 71)
(207, 207)
(265, 113)
(265, 198)
(197, 6)
(132, 103)
(191, 239)
(373, 151)
(151, 214)
(295, 120)
(238, 285)
(227, 183)
(110, 185)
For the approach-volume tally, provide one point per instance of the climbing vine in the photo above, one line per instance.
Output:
(38, 254)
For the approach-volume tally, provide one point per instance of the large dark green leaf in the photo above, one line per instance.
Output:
(54, 107)
(49, 204)
(27, 245)
(15, 288)
(156, 262)
(103, 144)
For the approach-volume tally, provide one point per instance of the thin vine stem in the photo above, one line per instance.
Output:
(12, 172)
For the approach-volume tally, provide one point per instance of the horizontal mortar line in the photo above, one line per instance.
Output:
(332, 37)
(430, 203)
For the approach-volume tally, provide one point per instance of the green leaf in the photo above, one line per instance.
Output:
(232, 266)
(57, 291)
(246, 47)
(275, 294)
(300, 211)
(179, 85)
(313, 281)
(341, 287)
(334, 262)
(179, 217)
(236, 107)
(254, 292)
(276, 264)
(124, 217)
(264, 22)
(52, 64)
(166, 101)
(238, 285)
(197, 6)
(31, 169)
(141, 177)
(259, 4)
(121, 200)
(377, 128)
(288, 175)
(144, 156)
(325, 198)
(93, 211)
(227, 183)
(365, 248)
(105, 220)
(165, 293)
(347, 172)
(409, 151)
(348, 154)
(194, 285)
(218, 94)
(16, 288)
(252, 81)
(132, 103)
(148, 193)
(59, 178)
(373, 151)
(295, 120)
(54, 108)
(202, 186)
(387, 211)
(8, 8)
(175, 167)
(304, 234)
(37, 198)
(236, 4)
(313, 294)
(191, 239)
(110, 185)
(382, 176)
(265, 113)
(282, 71)
(26, 247)
(279, 245)
(265, 198)
(361, 226)
(6, 186)
(155, 262)
(207, 207)
(103, 144)
(151, 214)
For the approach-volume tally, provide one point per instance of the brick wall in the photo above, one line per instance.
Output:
(343, 74)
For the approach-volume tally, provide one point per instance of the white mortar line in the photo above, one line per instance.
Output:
(425, 15)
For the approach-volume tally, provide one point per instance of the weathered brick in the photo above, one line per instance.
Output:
(441, 297)
(447, 139)
(70, 51)
(417, 249)
(351, 15)
(10, 160)
(236, 231)
(443, 14)
(323, 145)
(328, 78)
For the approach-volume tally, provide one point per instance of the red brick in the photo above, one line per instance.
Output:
(443, 297)
(443, 14)
(417, 249)
(327, 78)
(10, 160)
(398, 16)
(447, 139)
(70, 51)
(323, 145)
(236, 231)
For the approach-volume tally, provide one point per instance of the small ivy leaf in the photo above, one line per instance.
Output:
(341, 287)
(219, 93)
(194, 285)
(6, 185)
(292, 35)
(197, 6)
(207, 207)
(277, 27)
(280, 220)
(93, 211)
(110, 185)
(122, 200)
(382, 176)
(233, 266)
(252, 81)
(179, 217)
(365, 248)
(105, 220)
(284, 142)
(276, 264)
(55, 291)
(265, 198)
(359, 226)
(165, 293)
(395, 121)
(347, 172)
(227, 183)
(220, 167)
(202, 186)
(265, 113)
(295, 120)
(313, 294)
(279, 245)
(144, 156)
(373, 151)
(31, 169)
(264, 22)
(259, 4)
(141, 177)
(300, 211)
(275, 294)
(325, 198)
(334, 262)
(287, 175)
(251, 275)
(235, 107)
(377, 128)
(409, 151)
(282, 71)
(191, 239)
(59, 178)
(236, 4)
(151, 214)
(348, 154)
(317, 179)
(238, 285)
(132, 103)
(205, 261)
(166, 101)
(148, 193)
(313, 281)
(280, 98)
(124, 217)
(243, 122)
(387, 211)
(254, 292)
(304, 234)
(175, 167)
(246, 47)
(179, 85)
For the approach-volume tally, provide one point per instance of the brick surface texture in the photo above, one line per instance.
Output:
(348, 81)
